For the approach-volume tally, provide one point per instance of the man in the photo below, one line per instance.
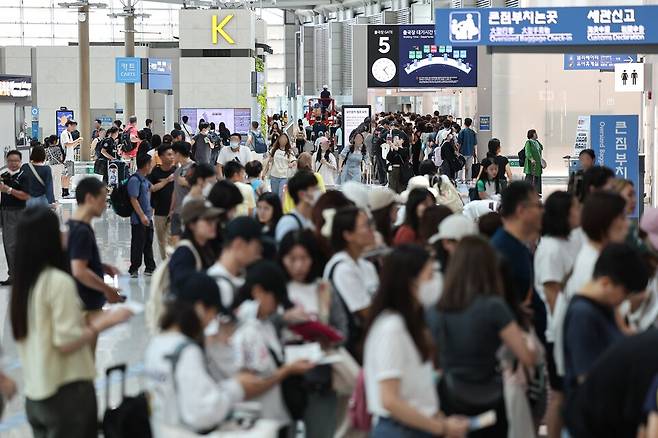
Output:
(304, 191)
(521, 211)
(255, 141)
(69, 144)
(133, 133)
(235, 172)
(235, 152)
(319, 128)
(177, 135)
(83, 253)
(586, 159)
(443, 133)
(13, 188)
(590, 325)
(181, 187)
(162, 178)
(241, 247)
(148, 131)
(468, 142)
(187, 129)
(118, 124)
(325, 98)
(202, 146)
(97, 126)
(141, 224)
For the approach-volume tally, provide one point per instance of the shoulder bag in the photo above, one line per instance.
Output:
(36, 174)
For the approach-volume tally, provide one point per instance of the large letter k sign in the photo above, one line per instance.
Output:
(219, 29)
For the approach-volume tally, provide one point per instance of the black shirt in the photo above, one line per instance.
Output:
(18, 181)
(161, 200)
(502, 163)
(82, 246)
(110, 146)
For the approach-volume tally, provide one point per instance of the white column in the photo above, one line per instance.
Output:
(169, 112)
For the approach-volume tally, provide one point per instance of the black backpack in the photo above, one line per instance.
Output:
(125, 142)
(120, 199)
(100, 145)
(522, 157)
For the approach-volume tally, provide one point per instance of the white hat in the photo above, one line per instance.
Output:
(454, 227)
(380, 197)
(357, 193)
(418, 182)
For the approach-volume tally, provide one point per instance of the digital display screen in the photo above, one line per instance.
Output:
(235, 119)
(62, 116)
(13, 87)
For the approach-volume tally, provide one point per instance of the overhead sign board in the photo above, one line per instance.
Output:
(353, 116)
(157, 74)
(406, 56)
(610, 25)
(595, 61)
(629, 77)
(15, 87)
(128, 70)
(217, 29)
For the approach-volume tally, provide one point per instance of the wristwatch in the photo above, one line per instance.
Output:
(11, 189)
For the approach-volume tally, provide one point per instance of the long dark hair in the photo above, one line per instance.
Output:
(353, 144)
(555, 221)
(306, 239)
(461, 287)
(484, 176)
(344, 221)
(416, 197)
(206, 252)
(38, 247)
(181, 313)
(382, 219)
(318, 156)
(400, 269)
(275, 202)
(275, 145)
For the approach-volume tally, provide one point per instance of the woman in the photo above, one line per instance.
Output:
(419, 200)
(300, 257)
(201, 179)
(280, 164)
(274, 133)
(353, 278)
(55, 157)
(534, 163)
(54, 340)
(504, 170)
(488, 185)
(553, 262)
(399, 377)
(40, 179)
(351, 160)
(300, 136)
(416, 152)
(325, 163)
(184, 394)
(626, 189)
(383, 204)
(224, 134)
(469, 324)
(192, 253)
(304, 163)
(431, 220)
(268, 212)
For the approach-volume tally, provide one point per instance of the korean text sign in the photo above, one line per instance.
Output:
(128, 70)
(609, 25)
(616, 144)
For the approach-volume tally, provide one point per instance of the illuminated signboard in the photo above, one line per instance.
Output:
(609, 25)
(15, 87)
(156, 74)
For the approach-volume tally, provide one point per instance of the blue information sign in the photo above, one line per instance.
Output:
(128, 70)
(595, 61)
(616, 144)
(547, 26)
(159, 74)
(35, 130)
(485, 123)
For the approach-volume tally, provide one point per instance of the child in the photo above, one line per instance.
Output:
(254, 170)
(488, 185)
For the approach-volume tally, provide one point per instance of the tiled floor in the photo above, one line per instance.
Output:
(122, 344)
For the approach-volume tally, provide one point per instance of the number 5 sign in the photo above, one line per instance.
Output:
(383, 56)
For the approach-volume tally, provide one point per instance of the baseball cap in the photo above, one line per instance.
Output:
(357, 193)
(199, 287)
(199, 209)
(380, 197)
(242, 227)
(269, 276)
(454, 227)
(418, 182)
(649, 224)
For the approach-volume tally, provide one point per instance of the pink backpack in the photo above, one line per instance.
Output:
(360, 418)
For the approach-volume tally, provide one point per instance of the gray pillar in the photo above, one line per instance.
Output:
(484, 100)
(359, 64)
(169, 112)
(129, 101)
(84, 125)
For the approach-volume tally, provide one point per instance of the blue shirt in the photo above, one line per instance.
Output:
(139, 187)
(467, 141)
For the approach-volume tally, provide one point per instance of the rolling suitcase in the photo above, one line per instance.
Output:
(117, 172)
(130, 418)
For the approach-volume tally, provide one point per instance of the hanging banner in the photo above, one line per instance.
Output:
(615, 141)
(610, 25)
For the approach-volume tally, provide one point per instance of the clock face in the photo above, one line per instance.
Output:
(383, 70)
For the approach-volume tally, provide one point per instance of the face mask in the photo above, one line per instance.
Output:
(235, 145)
(430, 291)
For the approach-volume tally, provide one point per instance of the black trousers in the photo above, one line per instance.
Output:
(141, 245)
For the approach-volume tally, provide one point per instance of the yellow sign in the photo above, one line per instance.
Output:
(219, 29)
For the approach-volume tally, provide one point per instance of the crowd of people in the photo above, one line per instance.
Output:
(345, 309)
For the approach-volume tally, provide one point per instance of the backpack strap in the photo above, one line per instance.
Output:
(36, 174)
(297, 219)
(197, 258)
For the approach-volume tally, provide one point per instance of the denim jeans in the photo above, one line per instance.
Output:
(277, 185)
(38, 200)
(389, 428)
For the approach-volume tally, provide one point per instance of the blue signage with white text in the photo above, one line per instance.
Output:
(485, 123)
(561, 26)
(615, 141)
(159, 72)
(595, 61)
(128, 70)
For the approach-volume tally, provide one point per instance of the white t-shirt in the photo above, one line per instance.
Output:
(281, 164)
(583, 269)
(188, 131)
(390, 353)
(305, 296)
(553, 263)
(254, 342)
(65, 137)
(199, 401)
(226, 154)
(228, 284)
(287, 223)
(355, 280)
(328, 174)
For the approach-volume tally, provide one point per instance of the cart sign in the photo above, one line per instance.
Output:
(128, 70)
(353, 116)
(615, 142)
(610, 25)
